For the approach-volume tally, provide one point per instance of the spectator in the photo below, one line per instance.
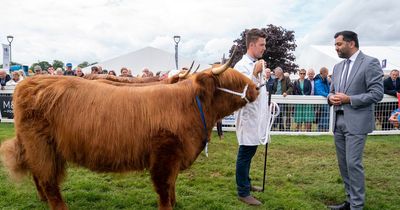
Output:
(321, 88)
(304, 113)
(112, 72)
(59, 71)
(147, 73)
(105, 71)
(78, 72)
(16, 78)
(282, 86)
(38, 70)
(68, 71)
(4, 78)
(50, 70)
(269, 81)
(95, 70)
(392, 84)
(124, 72)
(310, 76)
(22, 74)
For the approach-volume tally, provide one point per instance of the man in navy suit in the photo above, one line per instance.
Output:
(392, 84)
(356, 86)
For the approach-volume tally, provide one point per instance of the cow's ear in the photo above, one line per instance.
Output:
(206, 83)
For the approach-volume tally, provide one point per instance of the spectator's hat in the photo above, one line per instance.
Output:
(69, 65)
(37, 68)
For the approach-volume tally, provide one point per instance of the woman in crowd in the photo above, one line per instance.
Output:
(303, 113)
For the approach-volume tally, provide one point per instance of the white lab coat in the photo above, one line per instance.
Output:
(251, 120)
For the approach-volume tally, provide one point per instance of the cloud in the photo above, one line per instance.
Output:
(92, 30)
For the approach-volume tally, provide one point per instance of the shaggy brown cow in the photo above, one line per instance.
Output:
(134, 81)
(60, 119)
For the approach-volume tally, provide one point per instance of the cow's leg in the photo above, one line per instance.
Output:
(40, 190)
(47, 167)
(165, 165)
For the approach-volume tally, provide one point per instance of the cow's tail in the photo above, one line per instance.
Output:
(13, 157)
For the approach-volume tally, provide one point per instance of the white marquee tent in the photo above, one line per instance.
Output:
(317, 56)
(150, 57)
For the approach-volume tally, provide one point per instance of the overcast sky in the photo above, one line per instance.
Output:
(97, 30)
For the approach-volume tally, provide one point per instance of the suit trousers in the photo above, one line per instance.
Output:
(349, 151)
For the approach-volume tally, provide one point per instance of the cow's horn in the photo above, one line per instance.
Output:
(184, 75)
(220, 69)
(196, 69)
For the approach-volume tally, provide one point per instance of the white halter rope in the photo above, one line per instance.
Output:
(274, 111)
(242, 95)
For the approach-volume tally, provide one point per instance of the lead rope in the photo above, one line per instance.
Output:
(203, 119)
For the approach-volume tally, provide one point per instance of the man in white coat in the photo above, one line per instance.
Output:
(250, 120)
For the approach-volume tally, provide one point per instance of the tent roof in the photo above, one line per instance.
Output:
(317, 56)
(150, 57)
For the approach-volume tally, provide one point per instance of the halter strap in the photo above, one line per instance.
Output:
(242, 94)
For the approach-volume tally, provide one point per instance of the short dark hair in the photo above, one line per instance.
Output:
(348, 36)
(253, 34)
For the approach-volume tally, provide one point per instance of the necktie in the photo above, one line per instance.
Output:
(394, 83)
(344, 76)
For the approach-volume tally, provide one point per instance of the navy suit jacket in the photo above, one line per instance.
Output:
(389, 88)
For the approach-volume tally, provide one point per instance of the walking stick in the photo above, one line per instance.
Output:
(266, 145)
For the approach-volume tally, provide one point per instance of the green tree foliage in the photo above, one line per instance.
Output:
(58, 64)
(280, 47)
(44, 64)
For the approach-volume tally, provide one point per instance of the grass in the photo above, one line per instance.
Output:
(302, 174)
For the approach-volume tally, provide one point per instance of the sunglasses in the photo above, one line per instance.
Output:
(302, 73)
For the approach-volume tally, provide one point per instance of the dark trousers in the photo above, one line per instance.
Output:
(243, 162)
(219, 128)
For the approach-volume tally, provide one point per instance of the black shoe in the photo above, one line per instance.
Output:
(343, 206)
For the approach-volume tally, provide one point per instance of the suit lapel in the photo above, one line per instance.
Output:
(354, 70)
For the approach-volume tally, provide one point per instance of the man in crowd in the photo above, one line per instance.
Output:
(310, 76)
(247, 118)
(38, 70)
(282, 86)
(356, 87)
(269, 81)
(391, 86)
(4, 78)
(321, 88)
(68, 70)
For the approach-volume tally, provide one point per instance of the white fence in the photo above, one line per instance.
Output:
(304, 115)
(295, 115)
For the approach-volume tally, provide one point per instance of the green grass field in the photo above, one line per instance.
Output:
(302, 174)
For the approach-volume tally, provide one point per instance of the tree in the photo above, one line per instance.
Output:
(43, 64)
(280, 47)
(58, 64)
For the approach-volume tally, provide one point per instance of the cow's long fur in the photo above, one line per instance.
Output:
(109, 128)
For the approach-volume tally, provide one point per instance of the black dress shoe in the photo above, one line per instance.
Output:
(343, 206)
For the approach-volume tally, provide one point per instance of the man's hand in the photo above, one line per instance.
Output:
(284, 94)
(394, 119)
(335, 100)
(258, 67)
(339, 99)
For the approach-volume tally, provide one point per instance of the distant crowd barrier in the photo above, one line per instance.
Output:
(304, 115)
